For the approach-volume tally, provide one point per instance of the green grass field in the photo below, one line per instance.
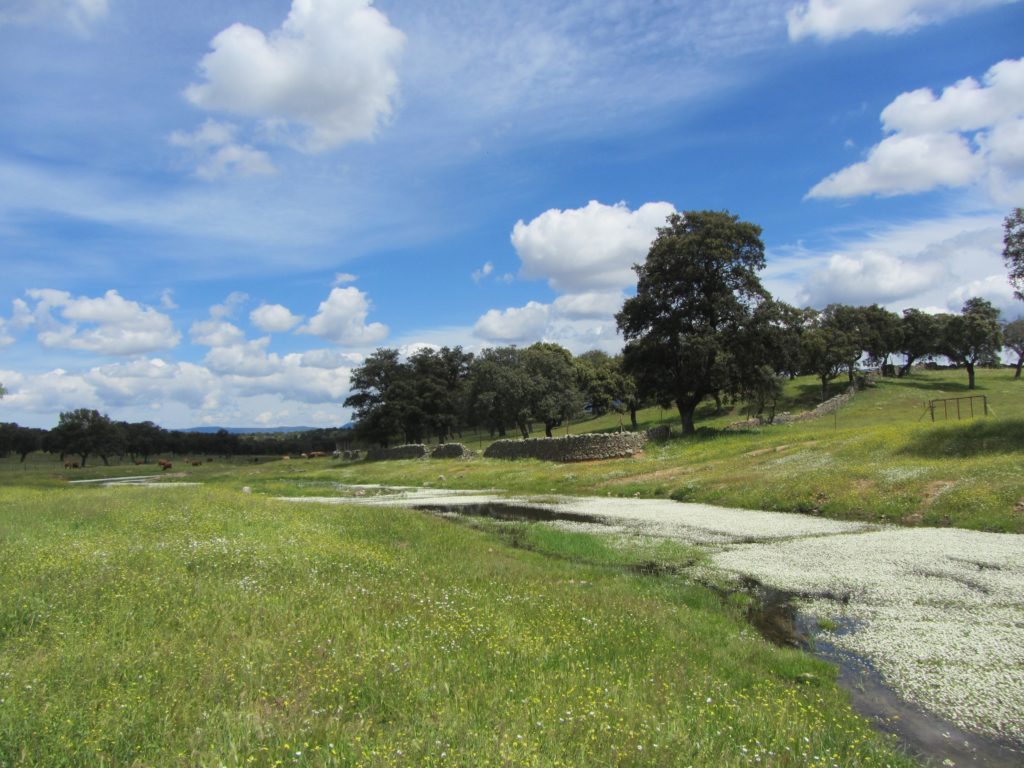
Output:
(205, 626)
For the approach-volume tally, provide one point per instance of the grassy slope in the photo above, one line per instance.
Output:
(878, 460)
(203, 626)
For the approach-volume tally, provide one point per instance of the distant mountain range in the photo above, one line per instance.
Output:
(259, 430)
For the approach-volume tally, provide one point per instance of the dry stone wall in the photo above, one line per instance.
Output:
(829, 406)
(589, 447)
(451, 451)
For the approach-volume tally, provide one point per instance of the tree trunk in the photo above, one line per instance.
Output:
(548, 426)
(84, 457)
(632, 411)
(1020, 360)
(824, 388)
(970, 375)
(524, 430)
(686, 408)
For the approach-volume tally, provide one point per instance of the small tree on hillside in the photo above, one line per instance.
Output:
(499, 391)
(696, 294)
(371, 397)
(881, 333)
(1013, 249)
(554, 395)
(973, 337)
(1013, 338)
(828, 346)
(920, 337)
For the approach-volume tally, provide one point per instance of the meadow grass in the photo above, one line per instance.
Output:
(205, 626)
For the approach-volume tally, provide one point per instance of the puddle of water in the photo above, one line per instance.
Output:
(776, 618)
(515, 513)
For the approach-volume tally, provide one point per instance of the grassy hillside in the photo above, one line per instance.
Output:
(881, 458)
(204, 626)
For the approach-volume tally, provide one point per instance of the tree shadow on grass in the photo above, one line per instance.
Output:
(978, 438)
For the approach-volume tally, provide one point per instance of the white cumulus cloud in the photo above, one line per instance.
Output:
(923, 264)
(218, 154)
(902, 165)
(326, 77)
(590, 248)
(994, 288)
(106, 325)
(970, 133)
(835, 19)
(341, 318)
(514, 325)
(593, 305)
(215, 333)
(274, 318)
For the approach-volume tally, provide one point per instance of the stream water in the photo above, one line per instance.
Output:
(775, 615)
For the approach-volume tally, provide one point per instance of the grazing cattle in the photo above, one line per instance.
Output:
(197, 463)
(70, 465)
(166, 465)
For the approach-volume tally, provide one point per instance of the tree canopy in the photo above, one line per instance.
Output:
(1013, 337)
(1013, 250)
(85, 432)
(696, 295)
(973, 337)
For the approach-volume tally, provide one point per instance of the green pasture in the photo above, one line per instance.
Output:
(205, 626)
(212, 625)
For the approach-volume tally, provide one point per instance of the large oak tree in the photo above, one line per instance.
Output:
(696, 297)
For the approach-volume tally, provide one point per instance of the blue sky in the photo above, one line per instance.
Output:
(211, 211)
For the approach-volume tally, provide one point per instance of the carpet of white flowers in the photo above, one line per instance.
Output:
(938, 612)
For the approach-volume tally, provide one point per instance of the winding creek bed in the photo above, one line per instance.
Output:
(935, 616)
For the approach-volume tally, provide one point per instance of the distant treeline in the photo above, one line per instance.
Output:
(85, 433)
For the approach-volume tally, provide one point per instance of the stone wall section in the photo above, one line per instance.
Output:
(588, 447)
(451, 451)
(829, 406)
